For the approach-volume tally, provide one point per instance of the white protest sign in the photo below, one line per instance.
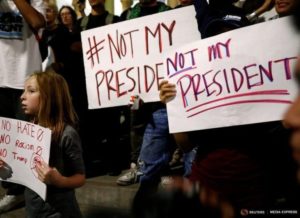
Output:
(239, 77)
(22, 145)
(125, 58)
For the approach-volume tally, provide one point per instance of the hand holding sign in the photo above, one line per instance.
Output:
(5, 170)
(167, 91)
(47, 174)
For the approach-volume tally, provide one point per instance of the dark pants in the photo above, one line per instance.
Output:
(10, 107)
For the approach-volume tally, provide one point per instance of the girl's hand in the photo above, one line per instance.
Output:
(1, 163)
(167, 91)
(48, 175)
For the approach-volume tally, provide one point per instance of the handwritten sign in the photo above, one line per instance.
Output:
(22, 145)
(125, 58)
(239, 77)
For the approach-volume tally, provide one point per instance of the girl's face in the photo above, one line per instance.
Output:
(66, 17)
(30, 99)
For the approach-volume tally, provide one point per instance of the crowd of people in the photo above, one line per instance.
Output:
(220, 175)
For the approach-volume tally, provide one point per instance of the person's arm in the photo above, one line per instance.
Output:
(266, 6)
(183, 141)
(70, 147)
(167, 91)
(34, 18)
(200, 6)
(51, 176)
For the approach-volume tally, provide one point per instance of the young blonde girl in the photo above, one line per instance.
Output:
(46, 99)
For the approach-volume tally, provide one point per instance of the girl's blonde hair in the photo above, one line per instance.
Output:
(56, 108)
(52, 6)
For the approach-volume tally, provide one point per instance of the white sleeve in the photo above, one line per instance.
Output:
(39, 5)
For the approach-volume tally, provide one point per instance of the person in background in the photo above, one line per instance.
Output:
(98, 17)
(147, 121)
(57, 37)
(79, 7)
(208, 17)
(19, 56)
(68, 45)
(46, 51)
(181, 162)
(144, 8)
(67, 17)
(47, 101)
(105, 139)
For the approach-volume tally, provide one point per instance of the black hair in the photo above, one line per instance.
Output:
(72, 11)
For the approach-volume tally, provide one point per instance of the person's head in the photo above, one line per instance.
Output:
(186, 2)
(146, 3)
(67, 16)
(51, 14)
(285, 7)
(78, 4)
(97, 4)
(47, 100)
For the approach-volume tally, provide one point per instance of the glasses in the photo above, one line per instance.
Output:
(65, 14)
(49, 10)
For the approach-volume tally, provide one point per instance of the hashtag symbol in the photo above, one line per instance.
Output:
(93, 52)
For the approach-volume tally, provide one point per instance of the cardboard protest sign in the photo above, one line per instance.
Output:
(22, 145)
(125, 59)
(239, 77)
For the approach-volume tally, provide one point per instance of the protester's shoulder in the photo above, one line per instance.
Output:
(125, 14)
(230, 16)
(79, 22)
(80, 19)
(163, 7)
(70, 132)
(116, 19)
